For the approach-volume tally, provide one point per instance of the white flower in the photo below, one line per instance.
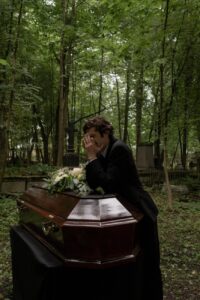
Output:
(70, 179)
(59, 177)
(76, 172)
(67, 179)
(75, 181)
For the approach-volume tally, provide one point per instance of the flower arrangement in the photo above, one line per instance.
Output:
(68, 179)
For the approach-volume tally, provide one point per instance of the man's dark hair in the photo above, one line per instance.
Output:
(100, 124)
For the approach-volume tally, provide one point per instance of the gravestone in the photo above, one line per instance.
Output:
(71, 159)
(144, 156)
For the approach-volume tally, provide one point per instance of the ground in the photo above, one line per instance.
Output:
(179, 231)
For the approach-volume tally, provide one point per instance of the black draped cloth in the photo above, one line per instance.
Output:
(40, 275)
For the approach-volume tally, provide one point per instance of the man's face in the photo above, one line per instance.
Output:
(98, 139)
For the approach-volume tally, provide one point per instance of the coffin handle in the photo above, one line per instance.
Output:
(48, 227)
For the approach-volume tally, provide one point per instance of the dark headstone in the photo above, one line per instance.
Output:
(144, 157)
(71, 159)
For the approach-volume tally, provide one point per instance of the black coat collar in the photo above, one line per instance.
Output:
(112, 141)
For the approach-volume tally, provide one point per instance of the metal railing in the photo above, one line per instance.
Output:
(152, 177)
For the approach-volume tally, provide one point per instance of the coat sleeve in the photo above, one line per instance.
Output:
(109, 175)
(119, 175)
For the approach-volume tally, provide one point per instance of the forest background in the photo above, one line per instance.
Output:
(135, 62)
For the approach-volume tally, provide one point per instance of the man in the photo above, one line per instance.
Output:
(111, 166)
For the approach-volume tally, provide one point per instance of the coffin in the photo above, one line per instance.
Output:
(94, 231)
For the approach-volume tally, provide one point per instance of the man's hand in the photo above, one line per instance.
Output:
(91, 148)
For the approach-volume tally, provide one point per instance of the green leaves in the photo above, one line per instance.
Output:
(4, 62)
(130, 28)
(179, 232)
(8, 217)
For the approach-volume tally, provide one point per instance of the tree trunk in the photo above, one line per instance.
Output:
(163, 108)
(101, 80)
(127, 102)
(118, 107)
(71, 124)
(3, 151)
(62, 104)
(188, 85)
(185, 136)
(139, 103)
(167, 182)
(65, 66)
(5, 111)
(55, 138)
(156, 129)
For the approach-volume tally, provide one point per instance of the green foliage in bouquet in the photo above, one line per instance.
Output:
(66, 179)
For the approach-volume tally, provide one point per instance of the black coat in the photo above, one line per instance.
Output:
(116, 173)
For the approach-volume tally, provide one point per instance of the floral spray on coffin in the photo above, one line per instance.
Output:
(66, 179)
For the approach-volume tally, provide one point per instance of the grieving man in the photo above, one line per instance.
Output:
(111, 166)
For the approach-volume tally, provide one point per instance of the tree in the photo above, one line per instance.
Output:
(11, 51)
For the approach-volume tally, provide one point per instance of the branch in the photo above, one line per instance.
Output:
(90, 115)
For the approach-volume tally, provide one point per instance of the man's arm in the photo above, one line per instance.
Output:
(109, 176)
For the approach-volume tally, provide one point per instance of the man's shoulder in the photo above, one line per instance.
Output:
(119, 144)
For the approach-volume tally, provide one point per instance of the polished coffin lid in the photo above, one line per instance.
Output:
(91, 231)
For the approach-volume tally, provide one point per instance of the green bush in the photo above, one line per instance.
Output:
(31, 170)
(193, 184)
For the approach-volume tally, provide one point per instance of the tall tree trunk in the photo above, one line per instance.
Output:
(163, 107)
(118, 107)
(167, 182)
(71, 125)
(55, 137)
(65, 66)
(62, 102)
(101, 80)
(127, 101)
(5, 111)
(73, 105)
(185, 136)
(139, 103)
(4, 147)
(188, 85)
(92, 106)
(15, 50)
(156, 129)
(9, 44)
(36, 142)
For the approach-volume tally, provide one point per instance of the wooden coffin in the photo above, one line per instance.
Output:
(94, 231)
